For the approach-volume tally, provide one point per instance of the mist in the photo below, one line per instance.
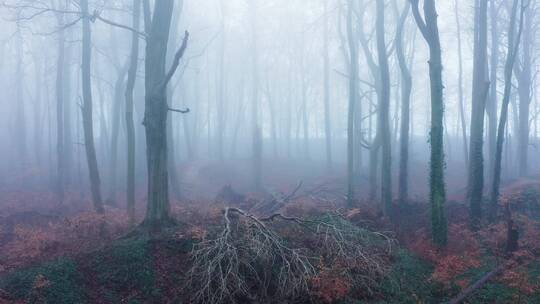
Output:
(284, 151)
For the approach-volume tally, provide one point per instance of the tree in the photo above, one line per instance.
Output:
(20, 122)
(513, 46)
(460, 86)
(524, 77)
(430, 31)
(326, 84)
(384, 110)
(60, 95)
(88, 127)
(156, 110)
(256, 129)
(406, 88)
(353, 91)
(130, 127)
(480, 92)
(491, 106)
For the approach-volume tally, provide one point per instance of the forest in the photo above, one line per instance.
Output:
(278, 151)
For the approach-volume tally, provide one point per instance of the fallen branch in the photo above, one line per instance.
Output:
(481, 282)
(249, 258)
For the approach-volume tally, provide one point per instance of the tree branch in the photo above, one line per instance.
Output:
(97, 15)
(187, 110)
(176, 61)
(419, 21)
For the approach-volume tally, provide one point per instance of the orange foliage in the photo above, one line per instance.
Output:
(462, 253)
(330, 285)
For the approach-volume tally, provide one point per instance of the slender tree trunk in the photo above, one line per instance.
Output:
(406, 88)
(20, 120)
(480, 93)
(174, 178)
(513, 46)
(87, 110)
(460, 88)
(524, 91)
(326, 100)
(305, 120)
(60, 144)
(430, 31)
(37, 111)
(130, 126)
(257, 132)
(353, 91)
(491, 108)
(115, 132)
(384, 109)
(220, 96)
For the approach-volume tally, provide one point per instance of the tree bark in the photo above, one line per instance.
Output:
(460, 88)
(130, 126)
(406, 88)
(155, 116)
(20, 117)
(326, 84)
(513, 45)
(383, 111)
(491, 108)
(524, 77)
(60, 138)
(480, 89)
(353, 91)
(430, 30)
(87, 110)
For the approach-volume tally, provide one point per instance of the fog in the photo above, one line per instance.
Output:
(143, 108)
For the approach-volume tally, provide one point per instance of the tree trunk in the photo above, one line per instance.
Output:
(60, 144)
(326, 100)
(20, 120)
(430, 31)
(491, 108)
(513, 45)
(524, 91)
(406, 88)
(115, 132)
(155, 116)
(384, 109)
(130, 127)
(87, 110)
(353, 91)
(460, 88)
(256, 130)
(480, 92)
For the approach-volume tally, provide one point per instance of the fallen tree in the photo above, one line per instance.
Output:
(254, 259)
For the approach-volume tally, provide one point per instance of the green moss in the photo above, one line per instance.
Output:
(125, 271)
(64, 283)
(408, 281)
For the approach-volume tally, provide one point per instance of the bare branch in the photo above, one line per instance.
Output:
(97, 15)
(179, 111)
(179, 54)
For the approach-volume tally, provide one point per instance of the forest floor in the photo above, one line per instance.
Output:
(77, 256)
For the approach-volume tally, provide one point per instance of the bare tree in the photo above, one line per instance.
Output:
(513, 46)
(480, 92)
(406, 88)
(326, 84)
(130, 127)
(384, 110)
(156, 110)
(353, 92)
(429, 28)
(88, 127)
(460, 86)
